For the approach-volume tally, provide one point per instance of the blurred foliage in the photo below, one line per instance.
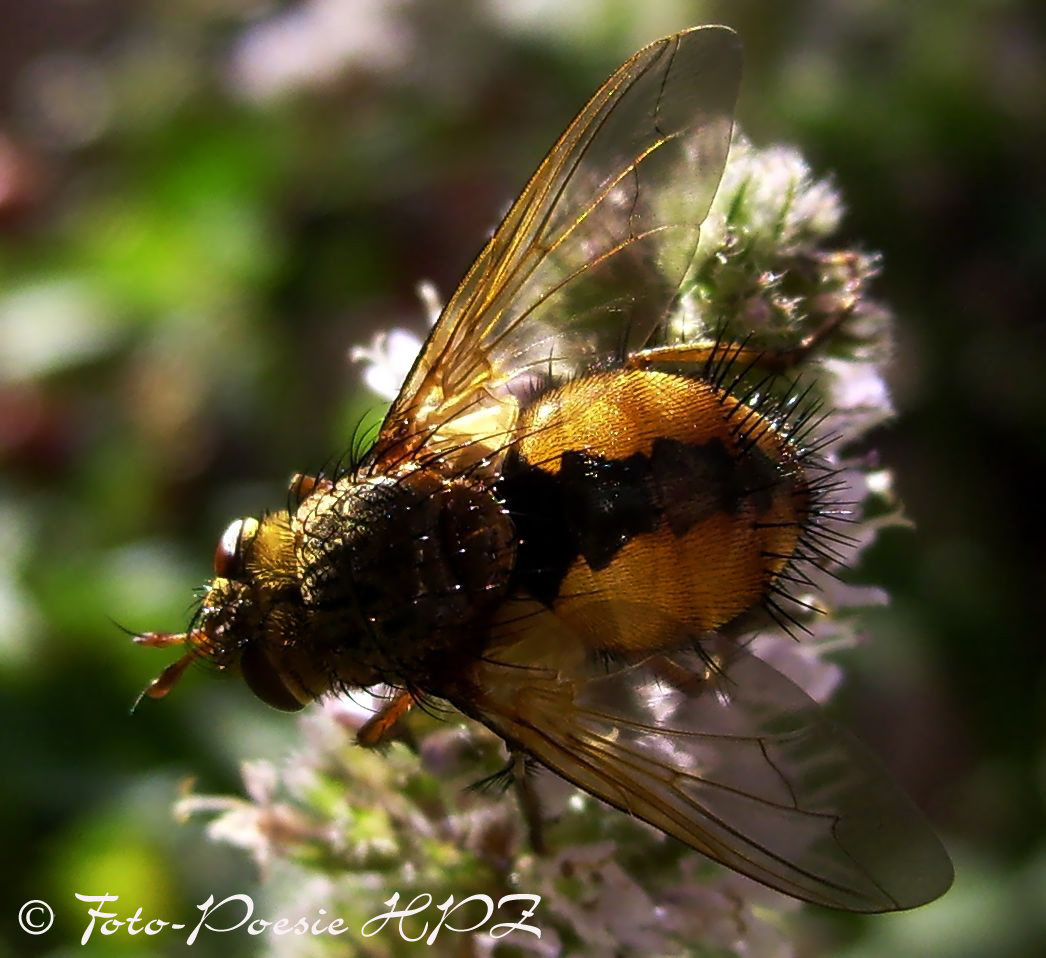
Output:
(204, 206)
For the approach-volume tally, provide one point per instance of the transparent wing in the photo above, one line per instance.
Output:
(587, 261)
(724, 753)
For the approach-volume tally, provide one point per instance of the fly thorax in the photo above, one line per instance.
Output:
(396, 570)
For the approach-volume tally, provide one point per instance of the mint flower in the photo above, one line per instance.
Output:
(388, 358)
(316, 42)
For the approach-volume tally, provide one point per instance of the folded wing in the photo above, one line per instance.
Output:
(721, 751)
(590, 257)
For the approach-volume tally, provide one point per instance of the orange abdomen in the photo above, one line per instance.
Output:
(645, 501)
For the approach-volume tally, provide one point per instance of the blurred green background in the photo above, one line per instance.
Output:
(205, 205)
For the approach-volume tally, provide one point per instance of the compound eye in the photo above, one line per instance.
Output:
(229, 554)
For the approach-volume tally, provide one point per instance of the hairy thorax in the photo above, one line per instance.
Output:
(397, 571)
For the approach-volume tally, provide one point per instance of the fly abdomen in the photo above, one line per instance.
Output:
(633, 491)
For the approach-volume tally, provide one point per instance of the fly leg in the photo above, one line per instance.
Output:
(710, 354)
(380, 726)
(529, 804)
(516, 774)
